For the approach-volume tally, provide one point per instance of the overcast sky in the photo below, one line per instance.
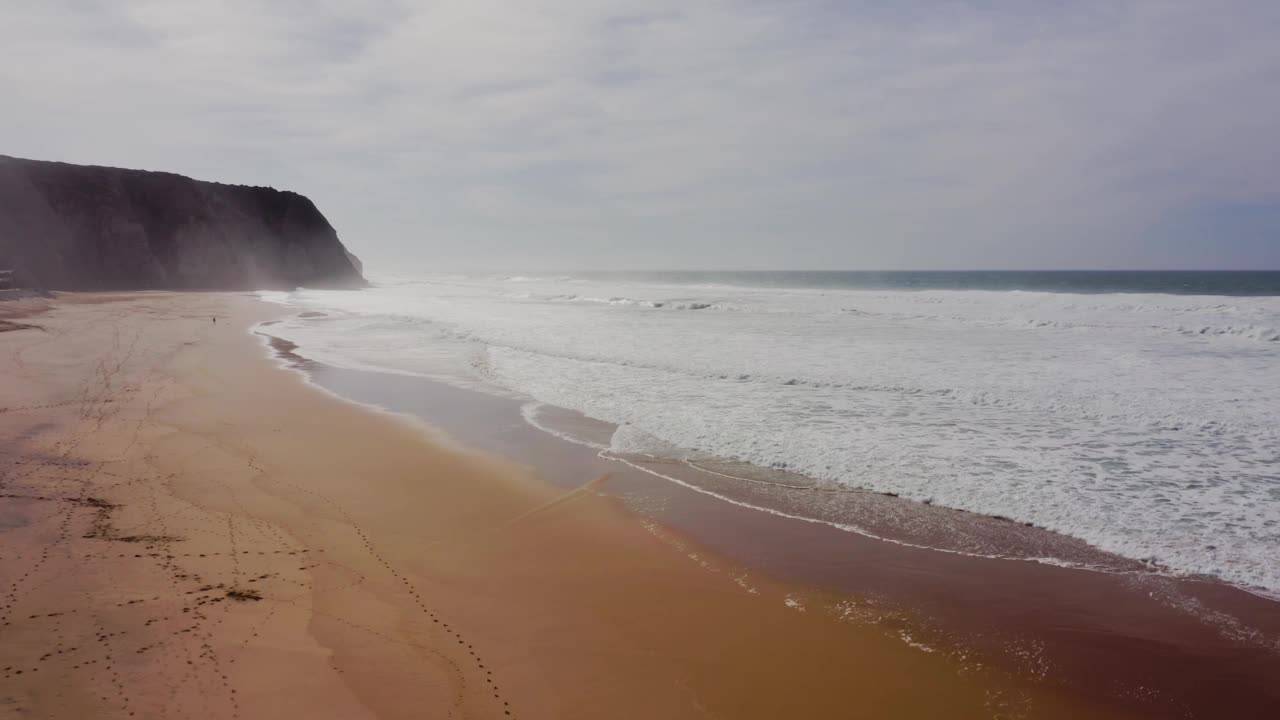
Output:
(685, 134)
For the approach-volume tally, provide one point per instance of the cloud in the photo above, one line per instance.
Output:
(615, 133)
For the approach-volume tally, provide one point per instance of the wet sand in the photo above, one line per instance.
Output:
(1121, 636)
(188, 529)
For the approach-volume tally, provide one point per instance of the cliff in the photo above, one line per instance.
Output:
(78, 227)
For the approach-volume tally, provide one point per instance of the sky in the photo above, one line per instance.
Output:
(663, 134)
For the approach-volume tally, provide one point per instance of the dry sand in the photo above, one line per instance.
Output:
(188, 529)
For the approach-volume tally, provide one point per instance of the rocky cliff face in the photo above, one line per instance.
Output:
(77, 227)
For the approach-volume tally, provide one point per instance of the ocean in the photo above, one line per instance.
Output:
(1136, 411)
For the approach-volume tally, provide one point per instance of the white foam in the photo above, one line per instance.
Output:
(629, 440)
(1148, 425)
(531, 412)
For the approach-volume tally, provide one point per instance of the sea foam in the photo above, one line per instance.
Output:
(1145, 424)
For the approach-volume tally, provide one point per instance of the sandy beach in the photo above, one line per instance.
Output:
(1120, 633)
(634, 360)
(191, 530)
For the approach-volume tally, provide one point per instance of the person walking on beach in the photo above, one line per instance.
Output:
(215, 319)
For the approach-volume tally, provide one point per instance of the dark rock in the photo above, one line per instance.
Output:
(355, 262)
(80, 227)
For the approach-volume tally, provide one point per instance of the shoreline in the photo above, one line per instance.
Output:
(1101, 633)
(1155, 463)
(191, 529)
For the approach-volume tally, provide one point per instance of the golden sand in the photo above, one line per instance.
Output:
(188, 529)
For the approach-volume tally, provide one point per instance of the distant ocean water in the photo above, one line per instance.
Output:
(1139, 411)
(1174, 282)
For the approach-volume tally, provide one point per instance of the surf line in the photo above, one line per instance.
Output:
(529, 412)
